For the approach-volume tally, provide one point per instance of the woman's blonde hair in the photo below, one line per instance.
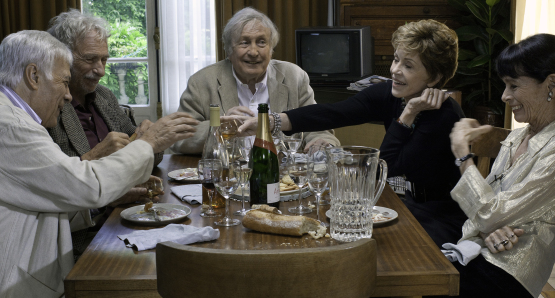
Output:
(436, 44)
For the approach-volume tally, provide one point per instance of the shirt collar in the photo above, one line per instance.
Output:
(257, 85)
(19, 102)
(89, 99)
(536, 143)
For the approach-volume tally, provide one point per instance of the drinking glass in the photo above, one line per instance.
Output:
(317, 175)
(208, 170)
(292, 143)
(297, 169)
(154, 187)
(241, 152)
(228, 131)
(226, 184)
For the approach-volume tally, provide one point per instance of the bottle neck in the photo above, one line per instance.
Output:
(263, 137)
(215, 116)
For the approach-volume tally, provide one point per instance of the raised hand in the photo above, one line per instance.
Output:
(431, 99)
(168, 130)
(465, 132)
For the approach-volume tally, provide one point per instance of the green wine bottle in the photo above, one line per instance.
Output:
(264, 182)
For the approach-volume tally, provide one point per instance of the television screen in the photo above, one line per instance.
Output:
(325, 53)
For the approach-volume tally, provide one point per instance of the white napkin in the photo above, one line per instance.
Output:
(190, 193)
(182, 234)
(464, 252)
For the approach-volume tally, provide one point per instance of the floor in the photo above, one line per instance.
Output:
(549, 289)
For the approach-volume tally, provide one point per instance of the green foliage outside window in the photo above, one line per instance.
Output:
(127, 21)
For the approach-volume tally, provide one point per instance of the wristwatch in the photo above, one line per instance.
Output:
(459, 161)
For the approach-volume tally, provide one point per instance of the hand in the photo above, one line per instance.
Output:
(316, 142)
(249, 127)
(240, 111)
(430, 99)
(137, 194)
(113, 142)
(464, 133)
(142, 127)
(494, 241)
(168, 130)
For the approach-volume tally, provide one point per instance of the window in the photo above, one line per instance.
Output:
(131, 72)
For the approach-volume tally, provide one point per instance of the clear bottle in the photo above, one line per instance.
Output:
(213, 150)
(264, 181)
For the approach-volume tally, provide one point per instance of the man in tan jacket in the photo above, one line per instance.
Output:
(247, 77)
(41, 184)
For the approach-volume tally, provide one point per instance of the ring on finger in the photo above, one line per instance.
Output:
(504, 242)
(511, 236)
(496, 246)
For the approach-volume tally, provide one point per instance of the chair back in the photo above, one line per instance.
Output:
(344, 270)
(487, 147)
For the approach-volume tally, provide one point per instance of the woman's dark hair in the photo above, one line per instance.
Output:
(532, 57)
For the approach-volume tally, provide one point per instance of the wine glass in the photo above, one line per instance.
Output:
(317, 175)
(208, 170)
(241, 153)
(226, 184)
(292, 144)
(297, 169)
(228, 131)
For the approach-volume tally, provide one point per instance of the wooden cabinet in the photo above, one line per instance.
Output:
(385, 16)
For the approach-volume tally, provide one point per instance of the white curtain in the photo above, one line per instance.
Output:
(187, 44)
(532, 17)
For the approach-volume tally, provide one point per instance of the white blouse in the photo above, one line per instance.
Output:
(520, 196)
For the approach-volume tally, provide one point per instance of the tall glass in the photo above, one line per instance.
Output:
(317, 174)
(297, 169)
(208, 170)
(228, 131)
(241, 152)
(226, 184)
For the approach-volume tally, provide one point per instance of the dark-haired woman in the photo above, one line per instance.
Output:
(519, 192)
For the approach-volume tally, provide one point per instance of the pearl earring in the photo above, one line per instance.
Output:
(549, 95)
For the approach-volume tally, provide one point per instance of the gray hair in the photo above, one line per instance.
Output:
(72, 27)
(241, 18)
(20, 49)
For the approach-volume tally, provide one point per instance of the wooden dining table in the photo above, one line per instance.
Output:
(409, 264)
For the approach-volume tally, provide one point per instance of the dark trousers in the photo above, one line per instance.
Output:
(443, 221)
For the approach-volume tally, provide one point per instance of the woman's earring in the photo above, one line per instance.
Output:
(550, 95)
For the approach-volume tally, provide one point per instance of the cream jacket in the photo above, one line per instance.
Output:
(523, 198)
(288, 88)
(40, 184)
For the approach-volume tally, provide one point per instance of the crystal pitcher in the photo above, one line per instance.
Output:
(353, 190)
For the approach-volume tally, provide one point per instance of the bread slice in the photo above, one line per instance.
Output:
(270, 222)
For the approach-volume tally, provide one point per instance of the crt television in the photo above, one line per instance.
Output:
(335, 54)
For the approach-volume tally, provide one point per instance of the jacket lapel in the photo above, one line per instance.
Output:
(74, 130)
(277, 90)
(227, 88)
(107, 113)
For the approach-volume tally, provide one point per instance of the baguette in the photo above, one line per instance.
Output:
(270, 222)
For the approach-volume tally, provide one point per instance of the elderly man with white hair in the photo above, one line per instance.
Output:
(247, 77)
(41, 184)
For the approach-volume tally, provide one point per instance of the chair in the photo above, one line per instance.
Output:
(344, 270)
(488, 147)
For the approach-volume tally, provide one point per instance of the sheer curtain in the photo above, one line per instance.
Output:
(187, 44)
(532, 17)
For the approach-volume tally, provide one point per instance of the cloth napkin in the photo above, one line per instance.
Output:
(190, 193)
(182, 234)
(464, 252)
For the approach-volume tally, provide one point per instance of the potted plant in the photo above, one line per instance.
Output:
(483, 34)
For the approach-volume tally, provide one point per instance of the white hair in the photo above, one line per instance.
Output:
(20, 49)
(72, 27)
(235, 25)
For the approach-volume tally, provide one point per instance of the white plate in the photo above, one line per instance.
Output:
(176, 175)
(388, 214)
(176, 213)
(294, 191)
